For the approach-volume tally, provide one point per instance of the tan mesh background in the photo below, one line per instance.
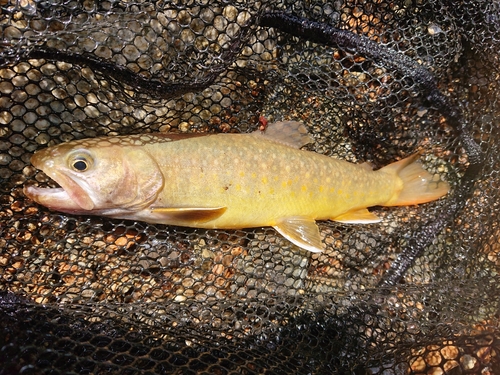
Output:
(94, 295)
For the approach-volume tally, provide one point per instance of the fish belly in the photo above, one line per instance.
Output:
(260, 181)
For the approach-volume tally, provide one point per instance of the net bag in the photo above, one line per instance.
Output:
(417, 293)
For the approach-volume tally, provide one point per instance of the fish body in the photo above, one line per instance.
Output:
(225, 181)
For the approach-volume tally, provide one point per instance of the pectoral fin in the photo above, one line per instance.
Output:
(362, 216)
(186, 215)
(301, 231)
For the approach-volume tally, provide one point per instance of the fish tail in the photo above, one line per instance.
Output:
(419, 186)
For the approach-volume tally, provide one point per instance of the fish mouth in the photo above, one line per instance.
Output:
(70, 197)
(53, 198)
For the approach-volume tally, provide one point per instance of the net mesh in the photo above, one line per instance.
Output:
(93, 295)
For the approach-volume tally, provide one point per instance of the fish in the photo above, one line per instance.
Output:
(226, 181)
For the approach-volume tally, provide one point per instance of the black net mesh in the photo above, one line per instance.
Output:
(84, 294)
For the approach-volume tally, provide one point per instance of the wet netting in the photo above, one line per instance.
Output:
(373, 81)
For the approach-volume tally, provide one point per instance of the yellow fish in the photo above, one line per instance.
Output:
(225, 181)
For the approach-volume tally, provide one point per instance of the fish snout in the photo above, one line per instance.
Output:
(43, 159)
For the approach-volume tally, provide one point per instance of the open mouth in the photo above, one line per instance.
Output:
(53, 198)
(69, 197)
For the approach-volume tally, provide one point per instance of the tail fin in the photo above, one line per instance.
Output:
(419, 186)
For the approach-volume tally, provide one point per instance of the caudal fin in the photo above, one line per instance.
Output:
(419, 186)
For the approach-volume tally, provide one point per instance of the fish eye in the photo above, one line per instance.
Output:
(80, 163)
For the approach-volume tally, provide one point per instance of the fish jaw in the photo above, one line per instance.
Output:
(70, 197)
(53, 198)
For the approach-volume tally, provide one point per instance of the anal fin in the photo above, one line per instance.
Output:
(301, 231)
(361, 216)
(186, 215)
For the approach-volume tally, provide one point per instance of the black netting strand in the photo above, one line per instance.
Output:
(426, 84)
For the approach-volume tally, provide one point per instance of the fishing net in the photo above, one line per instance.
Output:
(373, 82)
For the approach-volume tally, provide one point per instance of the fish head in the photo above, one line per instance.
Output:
(96, 176)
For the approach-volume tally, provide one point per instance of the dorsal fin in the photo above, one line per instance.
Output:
(290, 133)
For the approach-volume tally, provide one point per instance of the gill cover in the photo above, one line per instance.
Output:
(141, 182)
